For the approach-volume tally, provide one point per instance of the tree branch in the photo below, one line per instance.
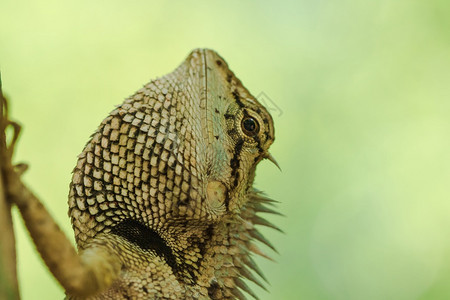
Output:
(8, 271)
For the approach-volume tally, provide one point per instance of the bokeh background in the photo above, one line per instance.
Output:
(359, 91)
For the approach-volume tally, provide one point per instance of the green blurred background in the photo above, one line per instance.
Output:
(362, 124)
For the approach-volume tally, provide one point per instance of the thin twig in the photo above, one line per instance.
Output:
(8, 269)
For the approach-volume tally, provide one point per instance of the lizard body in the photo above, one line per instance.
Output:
(161, 200)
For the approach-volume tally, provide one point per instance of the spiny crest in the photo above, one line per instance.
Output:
(245, 265)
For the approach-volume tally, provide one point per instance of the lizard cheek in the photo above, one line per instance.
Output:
(216, 196)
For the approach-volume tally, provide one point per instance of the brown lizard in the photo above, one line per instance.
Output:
(161, 200)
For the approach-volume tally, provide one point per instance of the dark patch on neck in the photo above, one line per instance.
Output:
(213, 290)
(209, 232)
(146, 239)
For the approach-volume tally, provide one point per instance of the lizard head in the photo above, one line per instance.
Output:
(237, 134)
(167, 178)
(183, 147)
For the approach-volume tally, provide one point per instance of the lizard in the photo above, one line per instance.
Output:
(162, 201)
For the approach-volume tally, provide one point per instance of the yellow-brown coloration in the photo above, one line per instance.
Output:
(216, 194)
(166, 181)
(161, 199)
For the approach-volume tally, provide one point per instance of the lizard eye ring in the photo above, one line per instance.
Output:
(250, 126)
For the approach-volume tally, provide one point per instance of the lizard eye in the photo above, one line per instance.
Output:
(250, 126)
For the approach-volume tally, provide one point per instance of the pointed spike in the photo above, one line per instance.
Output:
(246, 235)
(264, 209)
(242, 247)
(272, 160)
(237, 219)
(252, 265)
(243, 286)
(237, 261)
(238, 294)
(256, 191)
(263, 199)
(257, 235)
(255, 249)
(244, 272)
(270, 202)
(263, 222)
(258, 196)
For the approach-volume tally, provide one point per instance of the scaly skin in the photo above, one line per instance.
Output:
(161, 199)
